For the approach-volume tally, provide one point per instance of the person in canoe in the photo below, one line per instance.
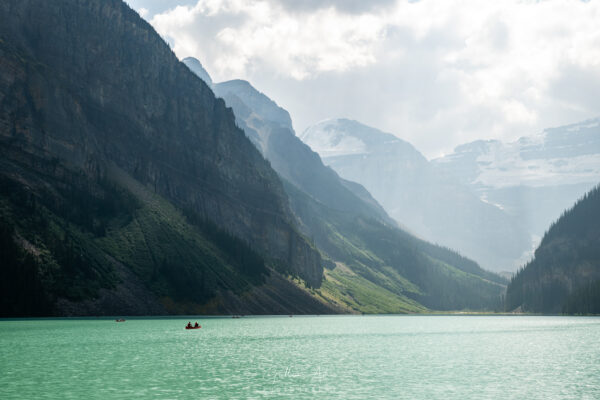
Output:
(196, 325)
(189, 325)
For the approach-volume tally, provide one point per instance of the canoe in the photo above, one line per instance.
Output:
(193, 327)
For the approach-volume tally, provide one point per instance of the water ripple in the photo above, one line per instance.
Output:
(341, 357)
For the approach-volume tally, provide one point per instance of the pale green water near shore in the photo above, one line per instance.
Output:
(339, 357)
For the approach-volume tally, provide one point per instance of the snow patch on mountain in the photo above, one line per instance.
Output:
(329, 140)
(556, 156)
(503, 169)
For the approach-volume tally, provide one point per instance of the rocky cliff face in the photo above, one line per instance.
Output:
(89, 85)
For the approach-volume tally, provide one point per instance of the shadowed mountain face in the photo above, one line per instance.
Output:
(564, 275)
(430, 203)
(121, 170)
(373, 266)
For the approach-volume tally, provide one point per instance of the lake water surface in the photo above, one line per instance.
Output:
(328, 357)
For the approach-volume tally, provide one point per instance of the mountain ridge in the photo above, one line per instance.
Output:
(534, 178)
(367, 257)
(87, 88)
(430, 204)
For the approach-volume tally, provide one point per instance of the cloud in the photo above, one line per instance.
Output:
(249, 33)
(149, 8)
(436, 73)
(348, 6)
(143, 12)
(577, 86)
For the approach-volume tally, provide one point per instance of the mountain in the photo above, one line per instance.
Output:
(564, 275)
(533, 179)
(371, 264)
(425, 200)
(126, 186)
(196, 67)
(557, 156)
(270, 129)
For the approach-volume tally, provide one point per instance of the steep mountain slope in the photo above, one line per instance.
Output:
(372, 265)
(564, 276)
(122, 172)
(372, 259)
(533, 179)
(429, 203)
(270, 128)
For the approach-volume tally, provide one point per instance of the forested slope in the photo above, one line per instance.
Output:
(564, 275)
(126, 185)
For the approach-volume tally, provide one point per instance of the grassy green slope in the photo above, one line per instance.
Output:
(355, 292)
(381, 269)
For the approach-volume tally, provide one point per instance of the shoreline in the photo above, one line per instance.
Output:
(188, 316)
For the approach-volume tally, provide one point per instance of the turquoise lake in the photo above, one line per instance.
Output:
(326, 357)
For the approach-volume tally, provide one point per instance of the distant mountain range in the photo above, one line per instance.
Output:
(430, 204)
(564, 275)
(566, 155)
(534, 178)
(372, 265)
(488, 200)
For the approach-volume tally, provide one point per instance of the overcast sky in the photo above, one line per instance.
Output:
(435, 73)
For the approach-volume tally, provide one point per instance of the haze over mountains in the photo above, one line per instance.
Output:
(415, 194)
(564, 275)
(534, 178)
(488, 200)
(372, 265)
(133, 184)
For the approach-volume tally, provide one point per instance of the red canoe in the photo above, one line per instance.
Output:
(193, 327)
